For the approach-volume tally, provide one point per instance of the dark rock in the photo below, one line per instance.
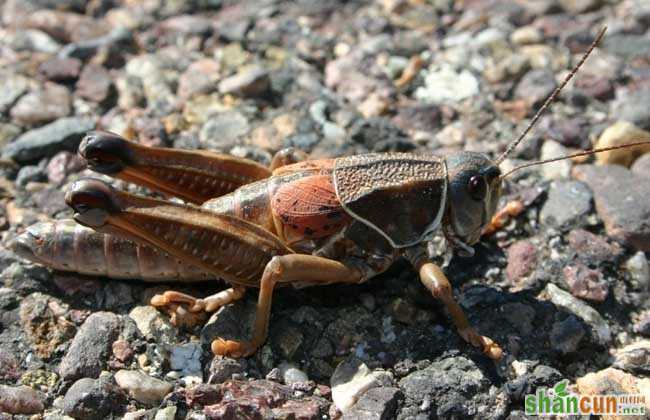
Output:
(447, 388)
(91, 347)
(567, 334)
(521, 316)
(522, 259)
(535, 87)
(419, 117)
(41, 106)
(251, 82)
(93, 398)
(380, 135)
(95, 84)
(26, 279)
(542, 375)
(567, 205)
(63, 134)
(376, 404)
(21, 400)
(231, 322)
(615, 187)
(61, 69)
(593, 249)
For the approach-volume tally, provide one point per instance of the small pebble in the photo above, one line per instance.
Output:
(142, 387)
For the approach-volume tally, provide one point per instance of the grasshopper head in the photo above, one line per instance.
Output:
(472, 196)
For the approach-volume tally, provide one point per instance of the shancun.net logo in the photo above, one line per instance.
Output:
(559, 401)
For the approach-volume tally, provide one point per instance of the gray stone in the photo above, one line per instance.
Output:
(63, 134)
(223, 368)
(535, 86)
(621, 199)
(632, 107)
(91, 347)
(291, 373)
(222, 131)
(142, 387)
(186, 358)
(376, 404)
(627, 46)
(564, 300)
(33, 40)
(13, 86)
(568, 204)
(641, 166)
(153, 325)
(89, 399)
(251, 82)
(30, 173)
(43, 105)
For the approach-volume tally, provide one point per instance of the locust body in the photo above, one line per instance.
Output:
(349, 216)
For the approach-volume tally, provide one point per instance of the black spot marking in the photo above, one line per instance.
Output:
(326, 227)
(309, 231)
(294, 226)
(335, 215)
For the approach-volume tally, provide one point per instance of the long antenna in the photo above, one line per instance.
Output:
(583, 153)
(551, 98)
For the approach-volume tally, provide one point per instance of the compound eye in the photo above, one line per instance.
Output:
(477, 187)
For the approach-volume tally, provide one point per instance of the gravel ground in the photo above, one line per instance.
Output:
(563, 287)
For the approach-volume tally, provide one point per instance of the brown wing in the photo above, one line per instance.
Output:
(400, 195)
(307, 208)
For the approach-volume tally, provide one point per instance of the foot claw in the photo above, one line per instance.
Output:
(232, 348)
(486, 344)
(184, 310)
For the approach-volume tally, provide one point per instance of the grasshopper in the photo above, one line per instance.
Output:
(298, 223)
